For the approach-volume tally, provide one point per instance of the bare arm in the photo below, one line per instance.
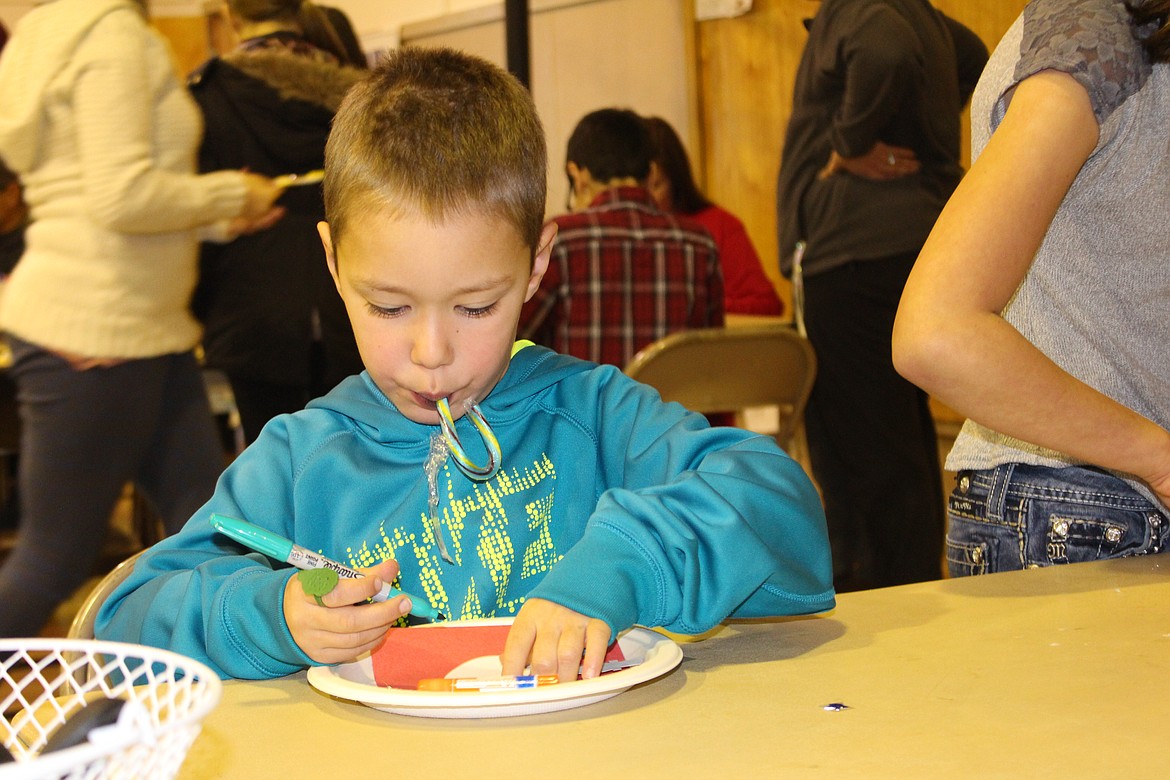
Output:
(949, 337)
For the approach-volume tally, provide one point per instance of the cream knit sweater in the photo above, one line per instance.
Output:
(103, 136)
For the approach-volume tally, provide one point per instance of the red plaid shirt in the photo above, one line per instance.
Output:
(624, 274)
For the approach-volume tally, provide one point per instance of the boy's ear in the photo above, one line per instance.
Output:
(580, 183)
(330, 258)
(540, 261)
(580, 175)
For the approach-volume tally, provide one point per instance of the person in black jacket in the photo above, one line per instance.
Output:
(13, 220)
(274, 323)
(871, 155)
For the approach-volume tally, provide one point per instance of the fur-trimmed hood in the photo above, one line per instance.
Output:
(269, 110)
(298, 78)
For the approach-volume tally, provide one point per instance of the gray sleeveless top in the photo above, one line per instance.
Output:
(1097, 296)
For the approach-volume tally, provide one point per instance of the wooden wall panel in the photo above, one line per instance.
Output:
(189, 39)
(746, 69)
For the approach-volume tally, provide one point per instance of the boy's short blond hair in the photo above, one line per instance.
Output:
(438, 132)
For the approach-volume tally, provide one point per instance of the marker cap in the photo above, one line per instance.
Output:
(253, 536)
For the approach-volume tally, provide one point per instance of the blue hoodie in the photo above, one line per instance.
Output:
(610, 502)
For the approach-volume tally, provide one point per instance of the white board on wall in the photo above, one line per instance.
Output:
(585, 55)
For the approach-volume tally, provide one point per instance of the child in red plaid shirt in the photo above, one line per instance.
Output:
(623, 273)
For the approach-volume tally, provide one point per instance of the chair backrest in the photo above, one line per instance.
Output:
(82, 625)
(729, 369)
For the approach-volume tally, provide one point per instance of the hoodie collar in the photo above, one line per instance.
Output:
(531, 370)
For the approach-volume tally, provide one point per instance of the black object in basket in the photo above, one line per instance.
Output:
(50, 688)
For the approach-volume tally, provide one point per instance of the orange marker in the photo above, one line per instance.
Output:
(487, 684)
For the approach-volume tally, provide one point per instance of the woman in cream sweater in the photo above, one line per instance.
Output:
(103, 136)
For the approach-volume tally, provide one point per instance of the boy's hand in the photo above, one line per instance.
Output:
(337, 631)
(551, 639)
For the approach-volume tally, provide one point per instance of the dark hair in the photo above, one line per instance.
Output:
(330, 29)
(266, 10)
(668, 152)
(1155, 12)
(612, 143)
(6, 176)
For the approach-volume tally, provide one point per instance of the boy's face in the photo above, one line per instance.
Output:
(434, 305)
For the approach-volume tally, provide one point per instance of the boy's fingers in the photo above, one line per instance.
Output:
(352, 641)
(569, 649)
(387, 570)
(330, 654)
(596, 645)
(546, 647)
(517, 649)
(349, 627)
(354, 591)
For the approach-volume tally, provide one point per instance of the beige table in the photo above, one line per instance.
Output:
(1061, 672)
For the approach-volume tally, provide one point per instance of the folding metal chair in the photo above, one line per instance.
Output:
(732, 369)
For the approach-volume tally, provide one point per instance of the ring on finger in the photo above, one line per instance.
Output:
(317, 583)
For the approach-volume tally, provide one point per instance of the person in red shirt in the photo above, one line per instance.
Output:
(623, 273)
(746, 288)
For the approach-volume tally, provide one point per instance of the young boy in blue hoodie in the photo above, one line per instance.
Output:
(609, 508)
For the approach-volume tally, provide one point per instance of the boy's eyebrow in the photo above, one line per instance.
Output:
(487, 285)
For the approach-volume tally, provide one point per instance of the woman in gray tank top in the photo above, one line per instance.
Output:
(1038, 305)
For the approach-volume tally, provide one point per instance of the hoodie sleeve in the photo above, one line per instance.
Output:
(119, 125)
(203, 595)
(701, 524)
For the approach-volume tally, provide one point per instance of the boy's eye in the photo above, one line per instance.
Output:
(479, 311)
(385, 311)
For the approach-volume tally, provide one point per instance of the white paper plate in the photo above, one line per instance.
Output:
(656, 655)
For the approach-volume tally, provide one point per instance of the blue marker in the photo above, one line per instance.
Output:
(264, 541)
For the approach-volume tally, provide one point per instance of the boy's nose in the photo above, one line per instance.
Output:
(432, 347)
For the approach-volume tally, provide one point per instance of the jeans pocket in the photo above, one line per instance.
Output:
(966, 558)
(1074, 534)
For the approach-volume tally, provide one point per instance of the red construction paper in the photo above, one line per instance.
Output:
(408, 655)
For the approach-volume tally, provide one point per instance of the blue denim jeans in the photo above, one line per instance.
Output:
(1016, 516)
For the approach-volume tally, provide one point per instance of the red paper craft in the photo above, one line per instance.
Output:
(408, 655)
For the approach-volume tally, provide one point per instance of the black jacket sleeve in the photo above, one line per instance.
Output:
(971, 55)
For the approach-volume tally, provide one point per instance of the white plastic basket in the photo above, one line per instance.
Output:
(45, 681)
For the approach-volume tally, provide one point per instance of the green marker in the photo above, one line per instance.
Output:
(263, 540)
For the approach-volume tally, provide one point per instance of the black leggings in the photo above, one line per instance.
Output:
(871, 436)
(84, 435)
